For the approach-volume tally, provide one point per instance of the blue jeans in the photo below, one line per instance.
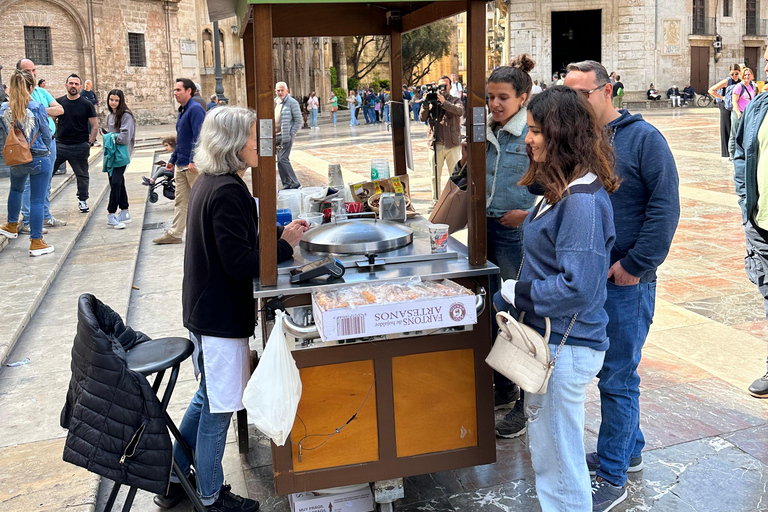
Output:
(367, 114)
(206, 435)
(353, 117)
(630, 313)
(47, 203)
(313, 117)
(416, 109)
(333, 115)
(386, 114)
(556, 430)
(38, 174)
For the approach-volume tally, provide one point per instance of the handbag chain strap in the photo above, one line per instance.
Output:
(567, 331)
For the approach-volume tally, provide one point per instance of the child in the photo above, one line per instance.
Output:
(169, 143)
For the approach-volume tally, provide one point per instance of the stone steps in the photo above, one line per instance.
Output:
(102, 262)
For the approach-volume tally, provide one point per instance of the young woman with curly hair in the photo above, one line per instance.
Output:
(566, 253)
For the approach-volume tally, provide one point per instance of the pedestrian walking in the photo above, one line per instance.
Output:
(198, 98)
(387, 99)
(25, 117)
(646, 210)
(718, 92)
(122, 137)
(377, 107)
(288, 120)
(415, 102)
(213, 103)
(53, 109)
(78, 127)
(748, 160)
(88, 93)
(333, 101)
(567, 246)
(352, 104)
(743, 93)
(182, 161)
(618, 92)
(220, 264)
(358, 105)
(407, 96)
(313, 104)
(443, 132)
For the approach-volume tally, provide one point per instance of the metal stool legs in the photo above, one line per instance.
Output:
(191, 492)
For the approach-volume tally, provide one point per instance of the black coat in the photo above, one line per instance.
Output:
(221, 258)
(116, 424)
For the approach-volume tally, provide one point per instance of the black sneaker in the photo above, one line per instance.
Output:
(504, 396)
(593, 462)
(759, 388)
(227, 501)
(514, 423)
(175, 494)
(605, 495)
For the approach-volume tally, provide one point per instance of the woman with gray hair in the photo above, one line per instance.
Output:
(220, 263)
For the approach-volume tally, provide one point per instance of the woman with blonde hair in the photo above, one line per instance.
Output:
(743, 93)
(27, 118)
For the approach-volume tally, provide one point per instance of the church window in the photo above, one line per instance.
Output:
(37, 45)
(136, 50)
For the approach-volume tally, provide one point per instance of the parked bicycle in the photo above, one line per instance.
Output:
(704, 100)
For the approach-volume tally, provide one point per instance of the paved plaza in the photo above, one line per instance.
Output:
(707, 439)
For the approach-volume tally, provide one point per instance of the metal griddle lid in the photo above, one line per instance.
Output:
(356, 232)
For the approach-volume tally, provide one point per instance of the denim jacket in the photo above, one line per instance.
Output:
(506, 161)
(35, 124)
(746, 155)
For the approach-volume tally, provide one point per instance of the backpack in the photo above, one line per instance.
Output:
(16, 150)
(728, 98)
(620, 92)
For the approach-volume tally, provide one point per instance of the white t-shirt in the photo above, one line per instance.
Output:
(457, 89)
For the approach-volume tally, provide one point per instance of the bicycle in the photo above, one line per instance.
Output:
(704, 100)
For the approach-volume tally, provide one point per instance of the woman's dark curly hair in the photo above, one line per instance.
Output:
(574, 143)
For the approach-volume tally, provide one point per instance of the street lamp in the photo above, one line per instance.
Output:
(217, 63)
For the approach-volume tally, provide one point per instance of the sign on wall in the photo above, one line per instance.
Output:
(671, 37)
(188, 50)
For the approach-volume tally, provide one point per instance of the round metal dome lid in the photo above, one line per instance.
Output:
(361, 236)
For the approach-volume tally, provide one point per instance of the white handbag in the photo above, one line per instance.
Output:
(522, 355)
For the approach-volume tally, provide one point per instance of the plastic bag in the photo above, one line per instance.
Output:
(274, 390)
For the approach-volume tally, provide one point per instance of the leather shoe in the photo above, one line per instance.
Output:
(167, 239)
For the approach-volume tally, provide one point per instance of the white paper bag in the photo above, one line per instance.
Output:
(274, 390)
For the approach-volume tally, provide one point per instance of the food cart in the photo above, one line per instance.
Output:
(422, 401)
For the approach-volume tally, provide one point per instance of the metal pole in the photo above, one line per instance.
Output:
(217, 63)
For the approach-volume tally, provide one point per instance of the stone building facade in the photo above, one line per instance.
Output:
(139, 46)
(644, 41)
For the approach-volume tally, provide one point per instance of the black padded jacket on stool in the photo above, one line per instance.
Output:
(116, 423)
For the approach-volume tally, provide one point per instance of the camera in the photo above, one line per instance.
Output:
(430, 92)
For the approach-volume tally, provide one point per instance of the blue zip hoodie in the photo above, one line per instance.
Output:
(567, 251)
(188, 124)
(646, 207)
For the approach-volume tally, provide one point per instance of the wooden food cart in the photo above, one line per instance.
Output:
(422, 402)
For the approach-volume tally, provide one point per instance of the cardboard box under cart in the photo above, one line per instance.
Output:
(394, 317)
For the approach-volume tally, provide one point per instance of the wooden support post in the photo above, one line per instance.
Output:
(396, 79)
(264, 179)
(249, 55)
(476, 131)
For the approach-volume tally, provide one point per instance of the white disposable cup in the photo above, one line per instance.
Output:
(438, 237)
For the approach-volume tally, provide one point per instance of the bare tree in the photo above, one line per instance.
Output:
(358, 48)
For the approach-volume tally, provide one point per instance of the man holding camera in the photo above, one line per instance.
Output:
(443, 114)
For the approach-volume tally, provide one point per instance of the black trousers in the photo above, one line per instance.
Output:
(725, 129)
(77, 156)
(118, 196)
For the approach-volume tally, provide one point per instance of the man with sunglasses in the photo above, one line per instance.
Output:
(646, 209)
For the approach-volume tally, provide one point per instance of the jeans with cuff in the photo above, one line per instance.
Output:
(38, 174)
(206, 435)
(630, 313)
(47, 202)
(556, 430)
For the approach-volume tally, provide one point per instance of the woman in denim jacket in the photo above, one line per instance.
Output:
(31, 118)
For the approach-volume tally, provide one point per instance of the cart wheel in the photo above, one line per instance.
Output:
(153, 197)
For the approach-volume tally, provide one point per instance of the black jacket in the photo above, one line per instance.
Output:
(116, 424)
(222, 258)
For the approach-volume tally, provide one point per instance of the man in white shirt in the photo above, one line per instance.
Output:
(457, 88)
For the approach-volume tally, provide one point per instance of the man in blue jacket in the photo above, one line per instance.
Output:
(182, 162)
(751, 141)
(646, 209)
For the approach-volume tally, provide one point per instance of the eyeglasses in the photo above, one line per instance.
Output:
(735, 73)
(587, 93)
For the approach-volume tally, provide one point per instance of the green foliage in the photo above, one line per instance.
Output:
(334, 77)
(384, 83)
(341, 96)
(375, 85)
(352, 83)
(427, 44)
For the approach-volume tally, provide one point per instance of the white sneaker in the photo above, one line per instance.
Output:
(113, 222)
(124, 216)
(53, 222)
(83, 206)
